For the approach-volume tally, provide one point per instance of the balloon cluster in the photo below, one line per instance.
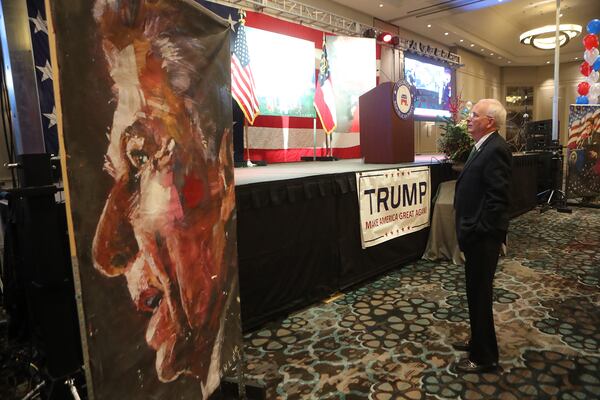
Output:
(589, 89)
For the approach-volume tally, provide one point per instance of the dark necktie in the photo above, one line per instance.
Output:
(472, 153)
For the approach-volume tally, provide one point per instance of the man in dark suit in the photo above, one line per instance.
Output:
(481, 204)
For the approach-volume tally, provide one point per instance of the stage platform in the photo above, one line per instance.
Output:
(298, 230)
(281, 171)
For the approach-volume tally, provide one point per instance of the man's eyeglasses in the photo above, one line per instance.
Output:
(475, 115)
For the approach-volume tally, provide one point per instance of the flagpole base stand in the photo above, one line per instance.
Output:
(252, 163)
(320, 158)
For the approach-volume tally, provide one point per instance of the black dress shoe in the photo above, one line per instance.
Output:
(467, 366)
(460, 346)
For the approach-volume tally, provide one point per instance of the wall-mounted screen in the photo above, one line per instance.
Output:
(433, 84)
(284, 73)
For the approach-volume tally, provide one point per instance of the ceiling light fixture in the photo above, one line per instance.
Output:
(461, 40)
(544, 38)
(472, 45)
(429, 25)
(445, 33)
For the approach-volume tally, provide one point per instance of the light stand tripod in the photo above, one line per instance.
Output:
(555, 197)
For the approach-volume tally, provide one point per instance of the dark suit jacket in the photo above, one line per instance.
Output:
(481, 199)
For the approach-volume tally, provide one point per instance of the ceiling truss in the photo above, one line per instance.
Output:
(316, 18)
(301, 13)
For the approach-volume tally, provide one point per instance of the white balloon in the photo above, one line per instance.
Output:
(592, 77)
(594, 93)
(590, 55)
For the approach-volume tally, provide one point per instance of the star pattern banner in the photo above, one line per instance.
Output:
(41, 56)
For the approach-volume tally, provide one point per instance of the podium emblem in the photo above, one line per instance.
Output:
(403, 98)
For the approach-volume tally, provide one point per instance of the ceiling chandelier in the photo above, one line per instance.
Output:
(544, 38)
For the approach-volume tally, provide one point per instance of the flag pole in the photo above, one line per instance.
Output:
(315, 139)
(249, 163)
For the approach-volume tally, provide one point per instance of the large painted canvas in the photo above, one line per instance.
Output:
(583, 179)
(145, 119)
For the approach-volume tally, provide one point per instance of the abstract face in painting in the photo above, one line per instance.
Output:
(165, 223)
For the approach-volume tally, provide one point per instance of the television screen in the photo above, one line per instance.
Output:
(433, 84)
(284, 73)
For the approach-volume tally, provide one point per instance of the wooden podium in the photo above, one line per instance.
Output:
(385, 138)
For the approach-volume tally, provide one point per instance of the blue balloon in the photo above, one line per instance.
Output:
(596, 65)
(594, 26)
(582, 100)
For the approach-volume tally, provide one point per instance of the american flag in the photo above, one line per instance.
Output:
(242, 81)
(583, 122)
(324, 99)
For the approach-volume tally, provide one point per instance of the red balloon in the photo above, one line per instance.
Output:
(583, 88)
(590, 41)
(585, 68)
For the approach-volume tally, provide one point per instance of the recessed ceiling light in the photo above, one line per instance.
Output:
(491, 54)
(576, 58)
(560, 15)
(481, 49)
(429, 25)
(461, 40)
(381, 5)
(547, 62)
(445, 33)
(472, 45)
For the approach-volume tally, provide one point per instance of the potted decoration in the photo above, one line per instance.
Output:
(455, 142)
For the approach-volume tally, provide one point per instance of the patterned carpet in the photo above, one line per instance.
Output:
(391, 338)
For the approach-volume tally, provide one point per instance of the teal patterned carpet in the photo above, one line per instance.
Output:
(391, 338)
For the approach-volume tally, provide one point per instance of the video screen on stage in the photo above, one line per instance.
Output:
(433, 84)
(353, 68)
(284, 73)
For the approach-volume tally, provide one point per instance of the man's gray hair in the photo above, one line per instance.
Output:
(496, 110)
